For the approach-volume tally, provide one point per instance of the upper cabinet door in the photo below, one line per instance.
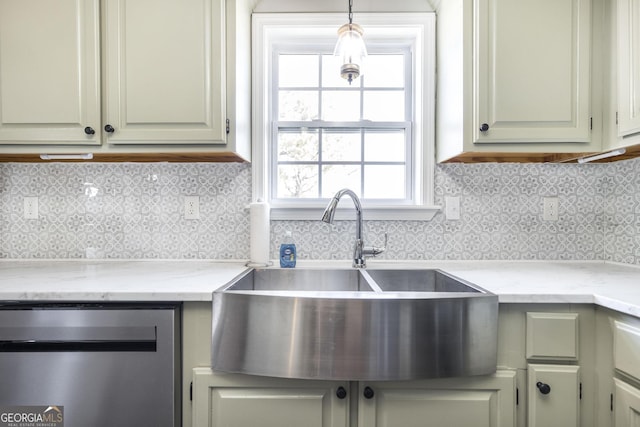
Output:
(533, 61)
(628, 67)
(164, 65)
(49, 72)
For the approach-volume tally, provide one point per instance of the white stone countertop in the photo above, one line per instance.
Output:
(107, 280)
(611, 285)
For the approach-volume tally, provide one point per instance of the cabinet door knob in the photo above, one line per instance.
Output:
(368, 393)
(109, 128)
(544, 388)
(484, 127)
(341, 393)
(89, 130)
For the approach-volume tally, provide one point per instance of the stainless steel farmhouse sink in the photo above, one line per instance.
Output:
(360, 324)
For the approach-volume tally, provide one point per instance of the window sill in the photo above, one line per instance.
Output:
(380, 213)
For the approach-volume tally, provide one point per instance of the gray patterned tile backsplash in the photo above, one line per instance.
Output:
(136, 211)
(126, 211)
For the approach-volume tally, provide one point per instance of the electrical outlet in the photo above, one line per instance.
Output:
(31, 208)
(550, 208)
(192, 207)
(452, 207)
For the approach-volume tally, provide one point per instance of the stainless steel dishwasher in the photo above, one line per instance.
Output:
(90, 365)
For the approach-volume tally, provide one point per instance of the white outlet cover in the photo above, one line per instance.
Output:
(192, 207)
(31, 208)
(550, 209)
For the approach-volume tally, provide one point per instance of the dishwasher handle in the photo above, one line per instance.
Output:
(77, 338)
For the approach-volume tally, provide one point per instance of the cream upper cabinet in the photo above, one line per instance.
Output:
(515, 77)
(533, 60)
(622, 99)
(628, 55)
(120, 78)
(163, 81)
(49, 72)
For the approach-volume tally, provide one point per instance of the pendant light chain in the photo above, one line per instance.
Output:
(350, 12)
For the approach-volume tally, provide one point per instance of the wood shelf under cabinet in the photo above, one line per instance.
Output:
(632, 152)
(220, 157)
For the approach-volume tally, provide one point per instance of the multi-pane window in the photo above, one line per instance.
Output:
(314, 133)
(329, 134)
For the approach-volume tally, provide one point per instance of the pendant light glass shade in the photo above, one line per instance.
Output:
(351, 49)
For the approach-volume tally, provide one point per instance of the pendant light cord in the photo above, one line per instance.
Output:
(350, 13)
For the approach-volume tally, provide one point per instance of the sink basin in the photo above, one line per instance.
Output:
(420, 281)
(354, 325)
(299, 280)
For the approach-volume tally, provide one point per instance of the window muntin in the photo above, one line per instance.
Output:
(329, 135)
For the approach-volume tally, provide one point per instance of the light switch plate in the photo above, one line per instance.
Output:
(452, 208)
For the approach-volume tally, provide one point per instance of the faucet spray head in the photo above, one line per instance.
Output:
(330, 211)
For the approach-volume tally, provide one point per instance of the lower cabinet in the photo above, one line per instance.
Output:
(626, 348)
(627, 405)
(554, 396)
(485, 401)
(554, 384)
(573, 365)
(618, 369)
(232, 400)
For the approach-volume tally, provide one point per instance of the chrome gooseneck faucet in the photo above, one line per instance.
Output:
(360, 251)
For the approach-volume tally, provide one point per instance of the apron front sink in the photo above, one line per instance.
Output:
(354, 325)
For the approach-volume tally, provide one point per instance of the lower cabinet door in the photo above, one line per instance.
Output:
(487, 401)
(627, 405)
(230, 400)
(554, 395)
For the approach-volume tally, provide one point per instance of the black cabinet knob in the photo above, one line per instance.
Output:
(368, 393)
(341, 393)
(484, 127)
(544, 388)
(109, 128)
(89, 130)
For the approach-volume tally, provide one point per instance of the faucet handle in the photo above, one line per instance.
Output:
(374, 250)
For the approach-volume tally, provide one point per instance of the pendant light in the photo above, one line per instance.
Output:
(350, 48)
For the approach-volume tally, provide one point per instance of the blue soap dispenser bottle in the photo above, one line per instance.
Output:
(288, 252)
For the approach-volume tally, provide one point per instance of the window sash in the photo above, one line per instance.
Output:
(408, 162)
(360, 125)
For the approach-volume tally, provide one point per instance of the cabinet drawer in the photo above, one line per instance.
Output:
(626, 347)
(552, 336)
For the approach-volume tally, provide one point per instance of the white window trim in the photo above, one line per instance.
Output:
(269, 28)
